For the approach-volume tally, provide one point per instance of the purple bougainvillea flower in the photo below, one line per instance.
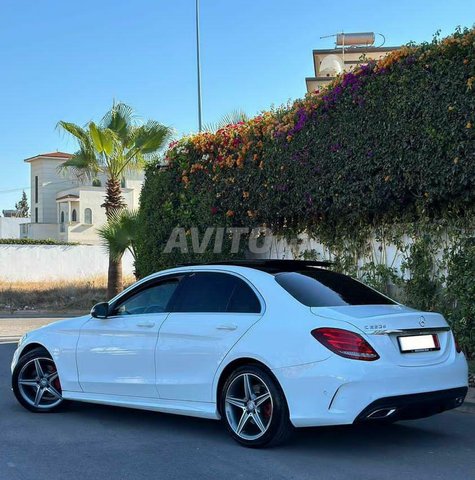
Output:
(335, 147)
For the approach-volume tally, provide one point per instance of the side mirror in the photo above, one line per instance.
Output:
(100, 310)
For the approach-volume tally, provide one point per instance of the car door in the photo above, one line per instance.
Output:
(116, 355)
(210, 313)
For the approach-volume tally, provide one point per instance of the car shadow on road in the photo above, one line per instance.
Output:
(357, 438)
(365, 438)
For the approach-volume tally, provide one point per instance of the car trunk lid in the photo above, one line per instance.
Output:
(385, 325)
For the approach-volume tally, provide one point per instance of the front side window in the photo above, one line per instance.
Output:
(216, 292)
(74, 216)
(152, 299)
(323, 288)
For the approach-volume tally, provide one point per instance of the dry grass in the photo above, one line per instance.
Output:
(54, 296)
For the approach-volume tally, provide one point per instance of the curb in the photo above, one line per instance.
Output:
(467, 407)
(9, 340)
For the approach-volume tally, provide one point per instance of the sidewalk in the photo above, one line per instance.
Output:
(13, 326)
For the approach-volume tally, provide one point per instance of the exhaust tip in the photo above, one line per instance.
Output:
(381, 413)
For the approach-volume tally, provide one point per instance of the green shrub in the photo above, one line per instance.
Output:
(30, 241)
(390, 144)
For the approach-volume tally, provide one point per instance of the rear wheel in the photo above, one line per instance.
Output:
(254, 408)
(35, 382)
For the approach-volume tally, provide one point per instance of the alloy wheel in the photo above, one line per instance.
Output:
(249, 406)
(38, 383)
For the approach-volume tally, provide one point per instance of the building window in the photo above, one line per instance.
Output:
(36, 213)
(122, 183)
(36, 190)
(62, 217)
(74, 216)
(88, 216)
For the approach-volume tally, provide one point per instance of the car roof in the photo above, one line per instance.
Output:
(254, 270)
(267, 265)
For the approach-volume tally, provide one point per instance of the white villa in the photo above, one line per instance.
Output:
(65, 208)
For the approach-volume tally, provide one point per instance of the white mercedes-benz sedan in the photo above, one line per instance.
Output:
(263, 345)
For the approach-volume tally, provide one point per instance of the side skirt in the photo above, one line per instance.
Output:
(177, 407)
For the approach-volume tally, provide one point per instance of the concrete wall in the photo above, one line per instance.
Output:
(10, 226)
(42, 231)
(21, 263)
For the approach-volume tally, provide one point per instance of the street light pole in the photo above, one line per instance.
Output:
(198, 66)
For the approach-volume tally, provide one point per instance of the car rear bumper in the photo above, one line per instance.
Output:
(410, 407)
(339, 391)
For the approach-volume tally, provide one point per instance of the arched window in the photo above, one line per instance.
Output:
(88, 216)
(62, 217)
(74, 216)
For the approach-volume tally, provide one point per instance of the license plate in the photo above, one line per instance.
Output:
(419, 343)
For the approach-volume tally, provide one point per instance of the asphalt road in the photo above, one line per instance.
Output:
(101, 443)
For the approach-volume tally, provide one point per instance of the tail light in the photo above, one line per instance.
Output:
(345, 343)
(458, 348)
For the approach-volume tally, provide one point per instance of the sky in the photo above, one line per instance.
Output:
(68, 60)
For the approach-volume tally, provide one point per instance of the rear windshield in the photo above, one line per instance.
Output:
(322, 288)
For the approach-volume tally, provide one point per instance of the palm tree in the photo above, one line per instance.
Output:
(114, 147)
(233, 117)
(119, 234)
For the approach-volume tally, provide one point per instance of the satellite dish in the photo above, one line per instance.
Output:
(331, 66)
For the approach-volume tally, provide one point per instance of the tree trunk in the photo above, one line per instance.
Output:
(113, 203)
(114, 280)
(114, 200)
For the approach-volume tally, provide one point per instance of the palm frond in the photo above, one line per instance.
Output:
(119, 233)
(83, 163)
(75, 130)
(104, 139)
(120, 118)
(230, 118)
(151, 137)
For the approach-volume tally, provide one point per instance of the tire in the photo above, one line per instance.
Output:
(259, 418)
(37, 391)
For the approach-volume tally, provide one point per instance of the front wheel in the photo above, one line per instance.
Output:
(35, 382)
(254, 408)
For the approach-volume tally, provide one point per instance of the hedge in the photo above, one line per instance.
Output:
(388, 145)
(30, 241)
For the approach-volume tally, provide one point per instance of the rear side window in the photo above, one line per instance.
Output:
(243, 299)
(215, 292)
(322, 288)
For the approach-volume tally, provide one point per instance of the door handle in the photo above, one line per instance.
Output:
(229, 327)
(146, 324)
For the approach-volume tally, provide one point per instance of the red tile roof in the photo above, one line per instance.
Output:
(50, 155)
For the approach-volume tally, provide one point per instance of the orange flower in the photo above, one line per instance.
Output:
(245, 194)
(230, 213)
